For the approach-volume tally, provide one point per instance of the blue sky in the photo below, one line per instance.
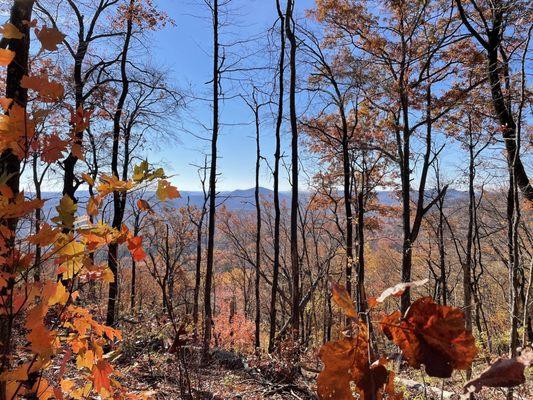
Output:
(185, 50)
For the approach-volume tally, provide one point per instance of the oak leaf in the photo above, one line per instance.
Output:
(432, 335)
(346, 361)
(66, 212)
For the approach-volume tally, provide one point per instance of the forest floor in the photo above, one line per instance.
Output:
(164, 376)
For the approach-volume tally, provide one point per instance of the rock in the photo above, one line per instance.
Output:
(228, 359)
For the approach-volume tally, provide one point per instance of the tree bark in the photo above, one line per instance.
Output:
(257, 338)
(212, 189)
(295, 262)
(277, 157)
(119, 199)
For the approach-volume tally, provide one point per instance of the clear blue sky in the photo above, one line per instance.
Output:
(185, 50)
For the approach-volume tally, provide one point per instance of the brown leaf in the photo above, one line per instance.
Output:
(432, 335)
(504, 372)
(342, 298)
(346, 361)
(49, 37)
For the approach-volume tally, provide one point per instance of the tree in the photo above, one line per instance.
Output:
(295, 259)
(497, 29)
(277, 157)
(208, 312)
(407, 49)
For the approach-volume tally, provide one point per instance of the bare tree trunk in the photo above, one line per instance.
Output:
(38, 219)
(136, 229)
(119, 199)
(295, 263)
(212, 189)
(492, 43)
(361, 297)
(467, 268)
(277, 211)
(258, 232)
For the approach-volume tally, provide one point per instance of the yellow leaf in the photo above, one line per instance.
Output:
(10, 31)
(108, 276)
(165, 191)
(67, 385)
(66, 212)
(61, 295)
(92, 206)
(85, 360)
(73, 252)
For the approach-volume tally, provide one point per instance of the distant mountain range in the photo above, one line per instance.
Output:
(244, 199)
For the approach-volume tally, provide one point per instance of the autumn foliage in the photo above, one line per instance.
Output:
(428, 335)
(44, 323)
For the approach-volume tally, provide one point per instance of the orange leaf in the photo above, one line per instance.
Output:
(165, 191)
(5, 103)
(143, 205)
(101, 372)
(342, 298)
(46, 236)
(6, 56)
(51, 91)
(347, 360)
(53, 147)
(135, 248)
